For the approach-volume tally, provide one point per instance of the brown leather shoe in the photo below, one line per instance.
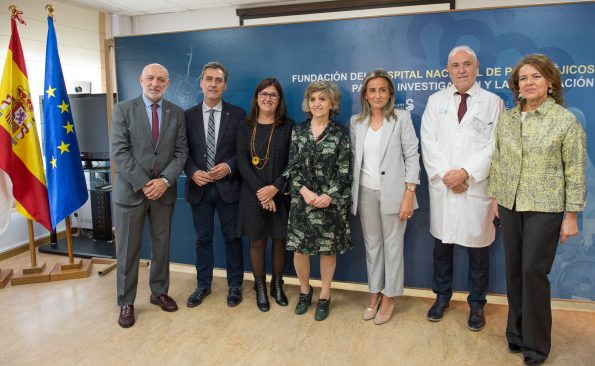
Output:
(126, 319)
(165, 302)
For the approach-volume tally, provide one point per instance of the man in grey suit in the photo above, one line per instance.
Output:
(149, 149)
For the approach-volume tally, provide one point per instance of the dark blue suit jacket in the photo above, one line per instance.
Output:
(228, 187)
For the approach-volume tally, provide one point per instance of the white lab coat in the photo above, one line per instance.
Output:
(463, 218)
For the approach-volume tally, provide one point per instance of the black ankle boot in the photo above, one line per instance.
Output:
(277, 290)
(262, 300)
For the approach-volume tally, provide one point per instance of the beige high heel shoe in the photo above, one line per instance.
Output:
(383, 318)
(370, 313)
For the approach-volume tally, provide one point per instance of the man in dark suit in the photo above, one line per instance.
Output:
(213, 182)
(149, 149)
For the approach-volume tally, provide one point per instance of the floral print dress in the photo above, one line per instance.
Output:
(322, 165)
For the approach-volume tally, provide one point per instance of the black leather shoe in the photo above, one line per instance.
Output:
(323, 308)
(234, 296)
(476, 320)
(262, 300)
(196, 298)
(277, 290)
(304, 302)
(437, 310)
(513, 348)
(532, 361)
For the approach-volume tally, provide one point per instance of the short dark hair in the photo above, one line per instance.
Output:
(547, 68)
(214, 65)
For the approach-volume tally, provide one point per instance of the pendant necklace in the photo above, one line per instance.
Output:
(258, 162)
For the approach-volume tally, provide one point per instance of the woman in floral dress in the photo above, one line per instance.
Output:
(320, 176)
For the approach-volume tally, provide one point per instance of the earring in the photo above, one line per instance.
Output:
(549, 90)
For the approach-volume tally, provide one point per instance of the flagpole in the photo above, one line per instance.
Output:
(35, 273)
(69, 241)
(32, 244)
(79, 268)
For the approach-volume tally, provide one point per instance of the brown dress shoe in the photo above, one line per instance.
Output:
(126, 319)
(165, 302)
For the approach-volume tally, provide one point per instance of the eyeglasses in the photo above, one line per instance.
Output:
(265, 95)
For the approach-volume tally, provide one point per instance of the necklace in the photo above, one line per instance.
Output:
(318, 137)
(257, 161)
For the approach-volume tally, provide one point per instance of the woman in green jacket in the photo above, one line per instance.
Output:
(537, 183)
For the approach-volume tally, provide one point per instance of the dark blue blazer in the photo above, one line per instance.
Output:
(228, 187)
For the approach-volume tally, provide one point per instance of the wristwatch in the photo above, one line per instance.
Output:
(411, 187)
(165, 181)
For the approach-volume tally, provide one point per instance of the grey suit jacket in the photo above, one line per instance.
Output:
(137, 158)
(399, 162)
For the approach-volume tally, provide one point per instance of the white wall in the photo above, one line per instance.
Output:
(77, 30)
(226, 16)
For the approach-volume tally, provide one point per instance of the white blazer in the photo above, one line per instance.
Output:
(399, 159)
(464, 218)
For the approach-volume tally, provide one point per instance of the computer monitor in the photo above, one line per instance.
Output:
(89, 112)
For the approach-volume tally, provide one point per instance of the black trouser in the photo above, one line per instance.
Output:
(479, 273)
(530, 242)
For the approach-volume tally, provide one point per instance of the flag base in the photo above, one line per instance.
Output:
(111, 265)
(5, 275)
(32, 275)
(81, 268)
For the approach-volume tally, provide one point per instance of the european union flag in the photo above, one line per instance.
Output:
(67, 188)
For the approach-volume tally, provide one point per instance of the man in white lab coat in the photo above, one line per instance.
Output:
(457, 137)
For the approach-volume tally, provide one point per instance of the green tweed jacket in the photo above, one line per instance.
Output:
(539, 163)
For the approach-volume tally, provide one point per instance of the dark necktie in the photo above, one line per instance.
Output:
(462, 105)
(155, 122)
(211, 141)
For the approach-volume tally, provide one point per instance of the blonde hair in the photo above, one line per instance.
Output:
(388, 111)
(326, 88)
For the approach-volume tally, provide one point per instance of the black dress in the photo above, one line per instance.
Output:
(253, 221)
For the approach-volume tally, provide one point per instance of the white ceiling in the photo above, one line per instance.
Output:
(146, 7)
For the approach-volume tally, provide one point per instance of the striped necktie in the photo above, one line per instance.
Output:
(211, 141)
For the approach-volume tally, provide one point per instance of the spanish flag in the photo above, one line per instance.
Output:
(20, 154)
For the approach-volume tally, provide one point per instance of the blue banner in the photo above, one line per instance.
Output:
(414, 49)
(67, 188)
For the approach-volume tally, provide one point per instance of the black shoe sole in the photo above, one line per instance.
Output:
(125, 326)
(513, 348)
(263, 309)
(204, 296)
(475, 329)
(233, 305)
(193, 305)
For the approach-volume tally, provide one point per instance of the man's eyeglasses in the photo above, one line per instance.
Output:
(265, 95)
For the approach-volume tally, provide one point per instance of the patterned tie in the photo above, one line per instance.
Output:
(462, 105)
(155, 122)
(211, 141)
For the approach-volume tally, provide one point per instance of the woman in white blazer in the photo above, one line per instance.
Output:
(385, 176)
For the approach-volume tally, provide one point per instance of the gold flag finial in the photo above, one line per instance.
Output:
(50, 10)
(16, 14)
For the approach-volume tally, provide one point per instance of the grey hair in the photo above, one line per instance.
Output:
(214, 65)
(155, 65)
(465, 48)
